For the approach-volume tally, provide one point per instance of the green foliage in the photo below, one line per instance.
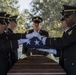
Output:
(11, 7)
(50, 12)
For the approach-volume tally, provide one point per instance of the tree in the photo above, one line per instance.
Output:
(50, 12)
(11, 6)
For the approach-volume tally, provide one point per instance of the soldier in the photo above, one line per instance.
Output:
(3, 58)
(36, 28)
(6, 45)
(68, 41)
(65, 27)
(11, 25)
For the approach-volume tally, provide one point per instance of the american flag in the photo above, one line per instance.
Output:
(37, 44)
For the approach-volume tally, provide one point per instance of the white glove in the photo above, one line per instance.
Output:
(35, 33)
(50, 51)
(29, 36)
(21, 41)
(42, 38)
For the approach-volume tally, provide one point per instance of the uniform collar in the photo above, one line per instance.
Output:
(70, 28)
(66, 29)
(37, 31)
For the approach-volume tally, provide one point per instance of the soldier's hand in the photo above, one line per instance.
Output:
(29, 36)
(50, 51)
(21, 41)
(35, 34)
(42, 38)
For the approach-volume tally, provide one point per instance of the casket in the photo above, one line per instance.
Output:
(36, 65)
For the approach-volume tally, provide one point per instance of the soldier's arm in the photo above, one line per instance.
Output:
(14, 44)
(6, 45)
(16, 36)
(13, 36)
(60, 43)
(47, 34)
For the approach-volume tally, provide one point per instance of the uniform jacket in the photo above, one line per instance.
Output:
(4, 57)
(68, 44)
(5, 48)
(13, 53)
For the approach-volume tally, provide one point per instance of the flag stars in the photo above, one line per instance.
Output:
(28, 42)
(36, 42)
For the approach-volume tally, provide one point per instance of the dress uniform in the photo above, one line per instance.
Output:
(67, 42)
(3, 52)
(26, 51)
(60, 53)
(13, 54)
(4, 48)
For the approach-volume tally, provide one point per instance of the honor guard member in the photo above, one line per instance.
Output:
(3, 49)
(36, 28)
(6, 46)
(68, 41)
(11, 25)
(65, 27)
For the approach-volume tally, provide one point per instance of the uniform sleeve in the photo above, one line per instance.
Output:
(6, 45)
(47, 34)
(14, 44)
(13, 36)
(44, 33)
(16, 36)
(60, 43)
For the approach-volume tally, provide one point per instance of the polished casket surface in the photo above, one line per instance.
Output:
(36, 65)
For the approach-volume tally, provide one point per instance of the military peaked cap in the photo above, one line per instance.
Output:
(2, 18)
(7, 17)
(37, 19)
(13, 18)
(68, 10)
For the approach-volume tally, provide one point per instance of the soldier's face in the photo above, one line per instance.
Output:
(70, 20)
(36, 26)
(12, 24)
(2, 28)
(64, 25)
